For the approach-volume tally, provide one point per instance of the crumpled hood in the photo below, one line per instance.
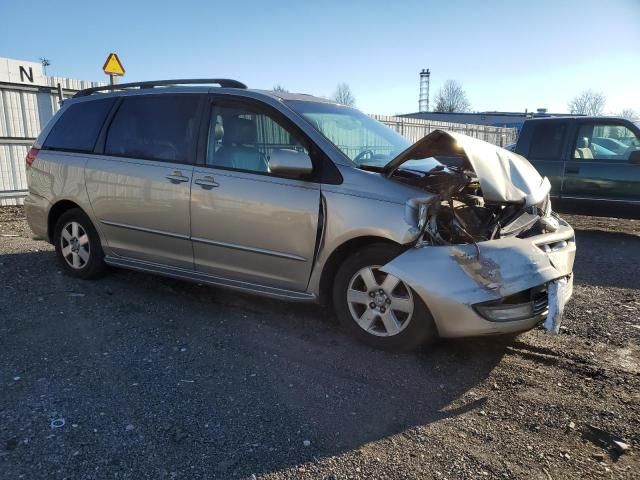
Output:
(504, 176)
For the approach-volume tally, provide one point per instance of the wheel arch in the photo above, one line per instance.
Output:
(339, 254)
(55, 212)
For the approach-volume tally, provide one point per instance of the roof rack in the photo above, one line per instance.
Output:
(223, 82)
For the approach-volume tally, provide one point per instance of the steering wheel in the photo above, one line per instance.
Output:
(361, 156)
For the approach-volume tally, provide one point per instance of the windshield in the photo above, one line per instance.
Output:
(361, 138)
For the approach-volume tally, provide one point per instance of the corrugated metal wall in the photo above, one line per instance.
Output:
(24, 111)
(13, 178)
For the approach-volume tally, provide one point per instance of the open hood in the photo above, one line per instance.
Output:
(504, 176)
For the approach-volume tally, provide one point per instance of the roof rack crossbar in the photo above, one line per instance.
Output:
(223, 82)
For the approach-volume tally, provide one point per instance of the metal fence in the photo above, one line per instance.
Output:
(13, 177)
(24, 111)
(414, 129)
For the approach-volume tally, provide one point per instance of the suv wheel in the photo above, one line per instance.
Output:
(78, 245)
(377, 307)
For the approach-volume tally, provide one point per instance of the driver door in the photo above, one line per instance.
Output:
(599, 168)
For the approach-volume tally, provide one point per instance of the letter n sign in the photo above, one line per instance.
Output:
(23, 74)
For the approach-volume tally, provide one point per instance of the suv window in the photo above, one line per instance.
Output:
(547, 141)
(605, 141)
(243, 138)
(78, 127)
(155, 127)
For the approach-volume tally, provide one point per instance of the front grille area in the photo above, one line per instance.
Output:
(554, 246)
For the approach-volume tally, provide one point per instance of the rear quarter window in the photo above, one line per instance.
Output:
(78, 127)
(155, 127)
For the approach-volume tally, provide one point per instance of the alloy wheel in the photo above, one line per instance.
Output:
(380, 303)
(75, 247)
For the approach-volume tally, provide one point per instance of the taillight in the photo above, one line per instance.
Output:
(31, 156)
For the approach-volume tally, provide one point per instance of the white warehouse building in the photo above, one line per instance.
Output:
(28, 99)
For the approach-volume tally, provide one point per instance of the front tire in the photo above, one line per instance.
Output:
(378, 308)
(78, 245)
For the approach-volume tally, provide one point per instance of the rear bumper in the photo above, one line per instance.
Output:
(36, 211)
(453, 280)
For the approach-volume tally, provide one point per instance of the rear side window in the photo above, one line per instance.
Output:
(158, 127)
(78, 127)
(547, 141)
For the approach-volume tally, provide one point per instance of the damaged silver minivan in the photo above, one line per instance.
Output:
(296, 197)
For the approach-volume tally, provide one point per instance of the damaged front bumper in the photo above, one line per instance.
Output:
(502, 286)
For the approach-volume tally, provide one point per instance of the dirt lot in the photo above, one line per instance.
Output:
(135, 376)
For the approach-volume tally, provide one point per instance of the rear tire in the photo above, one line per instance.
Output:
(78, 245)
(378, 308)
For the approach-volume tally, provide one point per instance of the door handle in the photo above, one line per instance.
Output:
(176, 177)
(207, 182)
(572, 170)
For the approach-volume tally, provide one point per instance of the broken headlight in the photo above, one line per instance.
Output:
(423, 211)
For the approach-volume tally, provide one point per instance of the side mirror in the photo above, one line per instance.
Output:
(290, 163)
(634, 157)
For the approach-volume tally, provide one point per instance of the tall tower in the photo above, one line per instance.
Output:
(423, 100)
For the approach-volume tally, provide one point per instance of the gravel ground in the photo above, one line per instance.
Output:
(135, 376)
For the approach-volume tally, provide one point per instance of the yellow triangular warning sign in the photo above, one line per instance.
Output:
(113, 66)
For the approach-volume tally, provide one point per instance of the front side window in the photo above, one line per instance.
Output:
(155, 127)
(79, 125)
(601, 141)
(243, 138)
(362, 139)
(547, 141)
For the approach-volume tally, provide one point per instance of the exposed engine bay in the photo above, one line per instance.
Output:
(461, 215)
(459, 170)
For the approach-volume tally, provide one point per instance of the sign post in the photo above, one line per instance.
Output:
(113, 67)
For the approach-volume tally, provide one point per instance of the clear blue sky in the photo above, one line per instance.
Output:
(509, 55)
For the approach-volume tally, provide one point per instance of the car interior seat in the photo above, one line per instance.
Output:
(214, 143)
(583, 150)
(239, 150)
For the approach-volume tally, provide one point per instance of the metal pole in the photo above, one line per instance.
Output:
(112, 79)
(13, 193)
(60, 97)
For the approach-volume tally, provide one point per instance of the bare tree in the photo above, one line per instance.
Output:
(587, 103)
(343, 95)
(630, 114)
(451, 98)
(280, 88)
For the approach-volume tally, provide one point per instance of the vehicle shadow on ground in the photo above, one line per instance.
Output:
(183, 378)
(304, 380)
(603, 258)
